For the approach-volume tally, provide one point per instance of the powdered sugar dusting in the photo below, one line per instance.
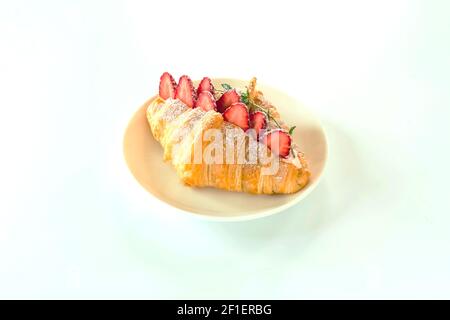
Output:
(172, 109)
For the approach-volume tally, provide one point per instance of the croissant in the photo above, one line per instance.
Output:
(207, 151)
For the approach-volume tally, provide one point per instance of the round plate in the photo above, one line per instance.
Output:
(144, 157)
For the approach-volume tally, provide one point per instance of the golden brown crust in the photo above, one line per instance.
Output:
(179, 129)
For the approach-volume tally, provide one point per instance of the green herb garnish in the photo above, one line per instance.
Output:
(244, 97)
(226, 86)
(291, 130)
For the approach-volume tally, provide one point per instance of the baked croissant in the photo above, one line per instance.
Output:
(249, 165)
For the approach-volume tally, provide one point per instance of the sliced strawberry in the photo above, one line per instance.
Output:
(227, 99)
(279, 141)
(185, 91)
(258, 121)
(237, 114)
(206, 101)
(205, 85)
(167, 86)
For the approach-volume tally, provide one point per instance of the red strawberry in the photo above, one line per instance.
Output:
(279, 141)
(185, 91)
(206, 101)
(205, 85)
(237, 114)
(258, 121)
(167, 86)
(227, 99)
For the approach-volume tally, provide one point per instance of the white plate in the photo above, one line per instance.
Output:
(144, 156)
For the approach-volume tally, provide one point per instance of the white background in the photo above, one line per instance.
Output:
(74, 223)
